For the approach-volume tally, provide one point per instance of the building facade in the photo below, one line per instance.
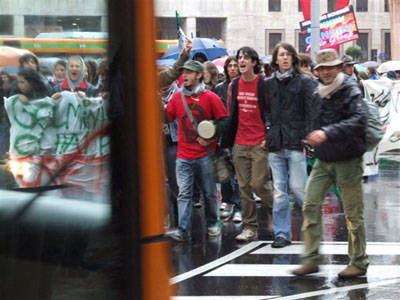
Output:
(257, 23)
(25, 18)
(261, 24)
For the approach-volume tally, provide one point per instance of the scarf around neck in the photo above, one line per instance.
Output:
(200, 88)
(326, 91)
(282, 76)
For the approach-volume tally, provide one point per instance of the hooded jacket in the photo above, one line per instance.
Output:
(80, 85)
(343, 117)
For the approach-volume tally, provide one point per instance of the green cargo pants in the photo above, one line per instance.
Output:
(347, 175)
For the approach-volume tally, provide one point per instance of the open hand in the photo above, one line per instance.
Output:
(189, 45)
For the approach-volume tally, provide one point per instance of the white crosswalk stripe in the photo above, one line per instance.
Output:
(269, 270)
(333, 248)
(384, 273)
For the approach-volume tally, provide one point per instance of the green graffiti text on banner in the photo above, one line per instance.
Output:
(22, 140)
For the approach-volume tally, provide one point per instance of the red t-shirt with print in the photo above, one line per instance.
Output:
(251, 130)
(206, 106)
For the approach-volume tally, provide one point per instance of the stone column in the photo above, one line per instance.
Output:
(394, 8)
(19, 26)
(104, 24)
(190, 26)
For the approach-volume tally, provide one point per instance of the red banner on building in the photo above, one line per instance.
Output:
(306, 7)
(341, 3)
(337, 27)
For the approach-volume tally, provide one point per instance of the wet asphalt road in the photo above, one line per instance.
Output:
(219, 268)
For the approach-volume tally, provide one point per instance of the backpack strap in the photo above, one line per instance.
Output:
(235, 88)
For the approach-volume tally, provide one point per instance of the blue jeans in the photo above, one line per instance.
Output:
(185, 171)
(230, 194)
(289, 168)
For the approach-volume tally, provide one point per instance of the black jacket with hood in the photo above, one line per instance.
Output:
(343, 117)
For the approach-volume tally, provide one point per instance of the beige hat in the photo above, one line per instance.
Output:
(327, 58)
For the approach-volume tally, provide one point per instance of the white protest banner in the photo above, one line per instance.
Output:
(56, 129)
(385, 94)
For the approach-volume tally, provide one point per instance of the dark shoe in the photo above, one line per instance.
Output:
(280, 242)
(305, 269)
(351, 271)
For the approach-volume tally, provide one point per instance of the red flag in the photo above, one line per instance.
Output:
(306, 8)
(341, 3)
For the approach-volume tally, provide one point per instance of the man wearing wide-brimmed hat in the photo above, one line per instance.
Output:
(339, 141)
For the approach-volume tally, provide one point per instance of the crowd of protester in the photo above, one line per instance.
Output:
(266, 117)
(30, 106)
(74, 75)
(269, 118)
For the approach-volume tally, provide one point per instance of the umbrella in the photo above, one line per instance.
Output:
(220, 62)
(165, 62)
(392, 65)
(9, 56)
(370, 64)
(211, 49)
(361, 68)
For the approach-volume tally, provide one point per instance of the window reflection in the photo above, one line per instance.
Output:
(54, 100)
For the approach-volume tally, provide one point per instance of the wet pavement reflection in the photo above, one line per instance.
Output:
(220, 268)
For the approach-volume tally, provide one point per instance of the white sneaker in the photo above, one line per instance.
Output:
(237, 217)
(247, 235)
(214, 230)
(223, 206)
(256, 198)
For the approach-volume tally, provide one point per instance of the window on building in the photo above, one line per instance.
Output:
(6, 24)
(363, 43)
(387, 46)
(362, 5)
(386, 8)
(213, 28)
(37, 24)
(299, 8)
(331, 5)
(272, 38)
(301, 44)
(274, 5)
(167, 28)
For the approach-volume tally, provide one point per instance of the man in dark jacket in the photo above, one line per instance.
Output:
(339, 141)
(289, 120)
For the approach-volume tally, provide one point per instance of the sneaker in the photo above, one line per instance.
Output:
(280, 242)
(223, 206)
(225, 215)
(237, 217)
(305, 269)
(214, 230)
(247, 235)
(256, 198)
(352, 271)
(178, 236)
(197, 204)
